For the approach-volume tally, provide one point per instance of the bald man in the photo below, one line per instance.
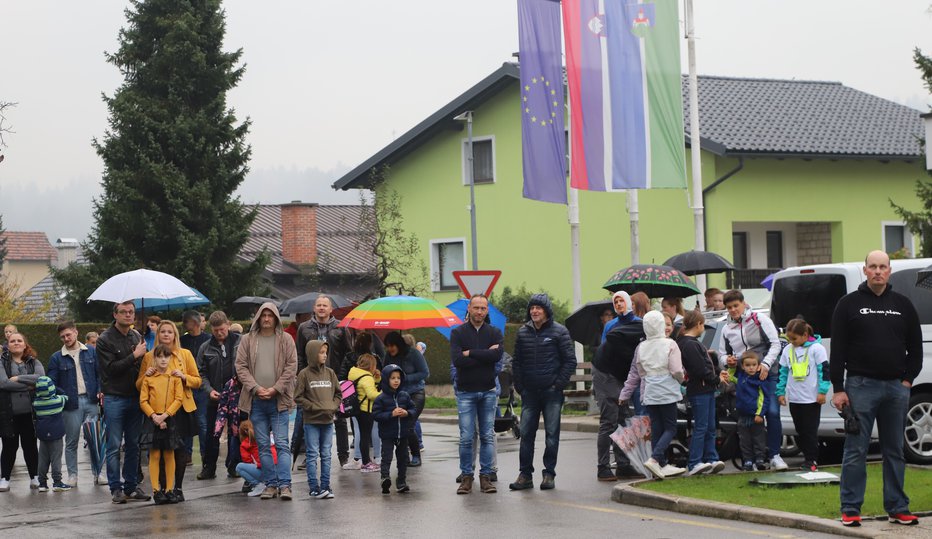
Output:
(876, 353)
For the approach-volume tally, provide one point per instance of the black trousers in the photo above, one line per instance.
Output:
(24, 433)
(806, 418)
(364, 436)
(342, 433)
(413, 443)
(752, 438)
(212, 447)
(400, 447)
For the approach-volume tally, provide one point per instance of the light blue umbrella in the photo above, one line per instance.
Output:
(496, 317)
(181, 302)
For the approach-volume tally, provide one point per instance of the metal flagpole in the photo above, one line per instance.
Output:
(694, 142)
(633, 212)
(573, 216)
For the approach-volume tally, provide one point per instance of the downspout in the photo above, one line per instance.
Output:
(713, 185)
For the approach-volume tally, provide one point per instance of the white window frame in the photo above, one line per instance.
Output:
(435, 261)
(907, 236)
(464, 157)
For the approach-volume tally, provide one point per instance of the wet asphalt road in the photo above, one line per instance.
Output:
(579, 506)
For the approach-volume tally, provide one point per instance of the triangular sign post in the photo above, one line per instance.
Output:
(476, 281)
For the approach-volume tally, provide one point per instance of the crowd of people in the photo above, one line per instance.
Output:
(159, 389)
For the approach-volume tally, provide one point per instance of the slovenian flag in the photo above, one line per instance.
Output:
(626, 105)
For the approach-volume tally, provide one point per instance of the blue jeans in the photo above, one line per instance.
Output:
(535, 402)
(123, 419)
(473, 406)
(886, 401)
(265, 419)
(250, 473)
(200, 400)
(86, 411)
(318, 440)
(662, 429)
(772, 415)
(702, 446)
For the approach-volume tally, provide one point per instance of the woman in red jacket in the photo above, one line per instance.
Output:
(250, 467)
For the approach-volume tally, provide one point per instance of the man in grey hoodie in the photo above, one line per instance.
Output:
(266, 362)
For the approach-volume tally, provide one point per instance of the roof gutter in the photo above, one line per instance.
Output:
(712, 186)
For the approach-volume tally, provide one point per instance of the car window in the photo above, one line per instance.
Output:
(904, 282)
(812, 296)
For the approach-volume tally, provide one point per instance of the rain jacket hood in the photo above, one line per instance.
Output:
(386, 373)
(541, 300)
(279, 327)
(627, 298)
(311, 351)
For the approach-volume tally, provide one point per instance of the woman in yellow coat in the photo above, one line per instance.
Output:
(182, 366)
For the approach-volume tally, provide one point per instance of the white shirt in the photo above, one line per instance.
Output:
(76, 356)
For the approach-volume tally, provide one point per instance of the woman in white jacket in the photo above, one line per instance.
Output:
(658, 370)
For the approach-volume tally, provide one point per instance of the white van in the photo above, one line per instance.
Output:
(813, 291)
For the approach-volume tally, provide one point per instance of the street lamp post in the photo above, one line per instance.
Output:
(467, 117)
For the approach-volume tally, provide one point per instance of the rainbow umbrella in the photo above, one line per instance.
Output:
(400, 312)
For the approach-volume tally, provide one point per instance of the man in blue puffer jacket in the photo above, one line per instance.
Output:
(544, 360)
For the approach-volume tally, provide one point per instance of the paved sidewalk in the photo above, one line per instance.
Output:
(570, 423)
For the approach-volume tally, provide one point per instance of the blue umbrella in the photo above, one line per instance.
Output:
(182, 302)
(496, 317)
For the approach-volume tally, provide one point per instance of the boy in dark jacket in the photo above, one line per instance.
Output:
(50, 430)
(752, 395)
(395, 412)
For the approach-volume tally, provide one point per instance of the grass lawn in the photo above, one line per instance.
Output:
(815, 500)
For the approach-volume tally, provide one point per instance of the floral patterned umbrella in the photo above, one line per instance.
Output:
(654, 280)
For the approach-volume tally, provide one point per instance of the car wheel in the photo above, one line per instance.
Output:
(918, 433)
(790, 447)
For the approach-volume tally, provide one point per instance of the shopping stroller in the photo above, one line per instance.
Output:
(505, 418)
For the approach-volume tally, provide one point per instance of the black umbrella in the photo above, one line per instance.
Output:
(654, 280)
(699, 262)
(305, 303)
(253, 300)
(585, 324)
(924, 278)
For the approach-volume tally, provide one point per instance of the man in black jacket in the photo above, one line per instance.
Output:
(216, 360)
(877, 343)
(610, 367)
(475, 348)
(544, 360)
(119, 353)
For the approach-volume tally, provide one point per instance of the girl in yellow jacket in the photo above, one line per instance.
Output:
(363, 375)
(160, 397)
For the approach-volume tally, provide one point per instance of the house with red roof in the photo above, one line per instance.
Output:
(28, 257)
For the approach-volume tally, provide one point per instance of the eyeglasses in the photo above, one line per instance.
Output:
(124, 312)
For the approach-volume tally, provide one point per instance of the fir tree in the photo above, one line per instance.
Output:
(173, 156)
(920, 222)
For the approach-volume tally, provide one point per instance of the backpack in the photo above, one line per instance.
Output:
(350, 405)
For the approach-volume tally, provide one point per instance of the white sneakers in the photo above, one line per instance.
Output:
(256, 490)
(716, 466)
(700, 468)
(4, 485)
(777, 463)
(73, 480)
(34, 482)
(654, 467)
(670, 470)
(353, 465)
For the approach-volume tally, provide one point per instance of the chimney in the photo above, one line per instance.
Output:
(299, 233)
(67, 252)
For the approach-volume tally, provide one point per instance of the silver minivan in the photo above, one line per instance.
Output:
(813, 291)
